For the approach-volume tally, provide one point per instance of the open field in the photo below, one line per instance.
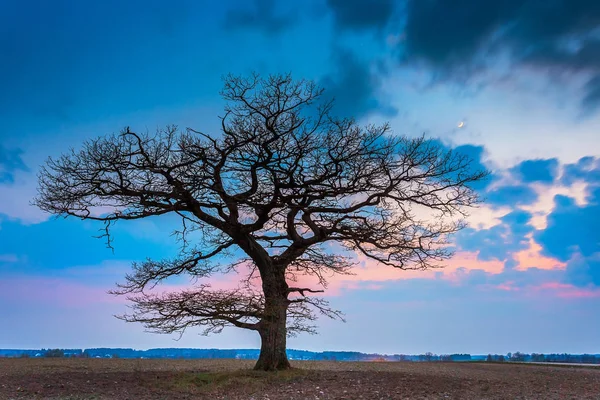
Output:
(232, 379)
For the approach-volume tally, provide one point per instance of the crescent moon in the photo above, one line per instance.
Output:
(461, 124)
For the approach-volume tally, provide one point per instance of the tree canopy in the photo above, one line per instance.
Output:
(285, 188)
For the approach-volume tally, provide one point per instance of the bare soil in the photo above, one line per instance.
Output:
(233, 379)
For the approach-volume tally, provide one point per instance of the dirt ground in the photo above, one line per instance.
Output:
(232, 379)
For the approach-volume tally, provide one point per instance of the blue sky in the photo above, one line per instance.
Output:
(523, 78)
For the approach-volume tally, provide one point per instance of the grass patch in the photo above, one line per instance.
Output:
(252, 381)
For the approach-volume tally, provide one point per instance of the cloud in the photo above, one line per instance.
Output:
(476, 155)
(553, 220)
(571, 234)
(585, 169)
(502, 251)
(371, 274)
(498, 242)
(355, 87)
(17, 187)
(551, 289)
(544, 205)
(534, 31)
(513, 194)
(584, 271)
(461, 28)
(10, 162)
(572, 229)
(460, 38)
(591, 100)
(262, 15)
(15, 200)
(537, 170)
(532, 282)
(532, 257)
(486, 216)
(361, 14)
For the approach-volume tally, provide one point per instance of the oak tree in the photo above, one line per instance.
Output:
(284, 191)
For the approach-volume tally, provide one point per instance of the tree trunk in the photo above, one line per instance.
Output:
(272, 327)
(273, 335)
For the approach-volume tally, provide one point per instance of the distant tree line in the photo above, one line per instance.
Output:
(537, 357)
(252, 354)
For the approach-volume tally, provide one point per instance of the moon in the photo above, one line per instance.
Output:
(461, 124)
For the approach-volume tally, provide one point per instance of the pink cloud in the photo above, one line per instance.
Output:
(548, 289)
(532, 258)
(507, 286)
(369, 273)
(469, 261)
(373, 271)
(568, 291)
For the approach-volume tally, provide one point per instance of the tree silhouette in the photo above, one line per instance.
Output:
(285, 191)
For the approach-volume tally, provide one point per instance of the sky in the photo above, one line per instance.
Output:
(515, 84)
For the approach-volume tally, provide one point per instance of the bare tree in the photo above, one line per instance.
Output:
(282, 182)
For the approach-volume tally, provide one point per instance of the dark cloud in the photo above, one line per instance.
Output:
(591, 100)
(10, 162)
(537, 170)
(499, 241)
(355, 88)
(261, 15)
(361, 14)
(534, 30)
(447, 34)
(459, 37)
